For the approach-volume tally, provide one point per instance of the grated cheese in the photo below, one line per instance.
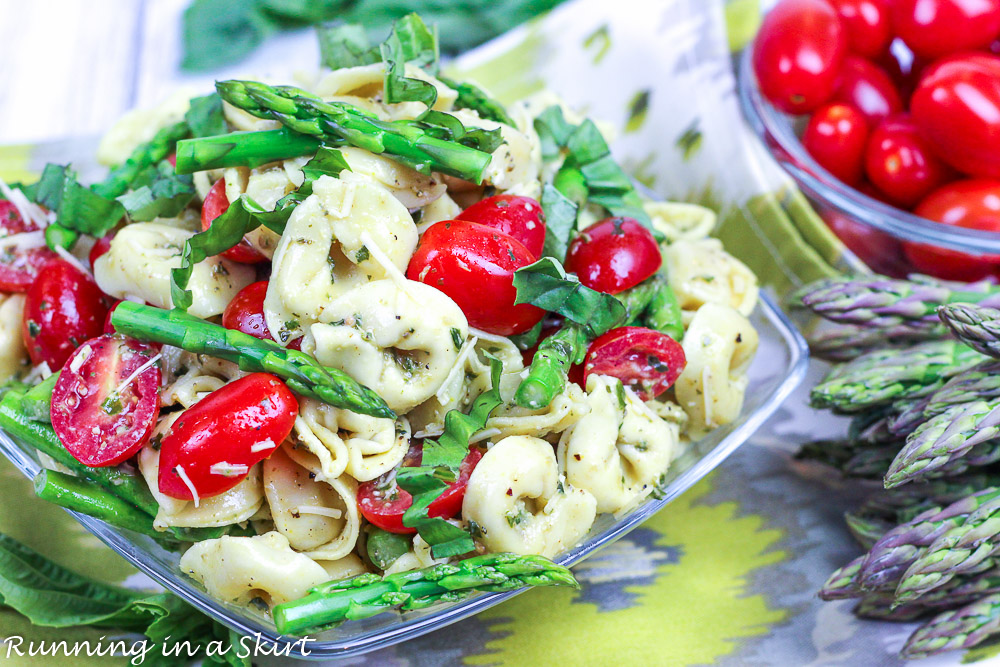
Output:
(320, 511)
(77, 264)
(80, 358)
(383, 259)
(24, 240)
(262, 446)
(135, 374)
(187, 482)
(28, 210)
(229, 469)
(485, 434)
(493, 338)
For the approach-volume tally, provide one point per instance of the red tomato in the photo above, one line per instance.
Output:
(956, 107)
(216, 203)
(936, 28)
(474, 265)
(19, 267)
(645, 360)
(882, 252)
(836, 137)
(798, 53)
(903, 67)
(383, 503)
(239, 424)
(900, 163)
(246, 313)
(973, 204)
(62, 309)
(868, 88)
(102, 245)
(867, 25)
(101, 410)
(613, 254)
(521, 217)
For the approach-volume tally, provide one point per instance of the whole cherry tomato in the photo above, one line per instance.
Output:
(474, 265)
(521, 217)
(214, 443)
(836, 137)
(102, 245)
(901, 164)
(798, 53)
(106, 400)
(645, 360)
(903, 67)
(216, 203)
(62, 309)
(882, 252)
(936, 28)
(867, 25)
(613, 254)
(246, 313)
(19, 265)
(973, 204)
(956, 107)
(868, 88)
(383, 503)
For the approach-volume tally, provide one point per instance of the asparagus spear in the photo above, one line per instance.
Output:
(367, 595)
(145, 155)
(337, 123)
(37, 401)
(982, 381)
(242, 149)
(845, 582)
(664, 313)
(881, 607)
(866, 529)
(978, 326)
(843, 342)
(547, 374)
(872, 427)
(956, 629)
(303, 374)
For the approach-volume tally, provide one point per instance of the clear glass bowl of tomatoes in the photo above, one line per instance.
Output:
(886, 114)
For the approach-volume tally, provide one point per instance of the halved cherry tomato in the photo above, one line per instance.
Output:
(106, 400)
(521, 217)
(613, 254)
(869, 89)
(383, 503)
(901, 164)
(19, 267)
(973, 204)
(836, 137)
(956, 107)
(246, 313)
(798, 53)
(102, 245)
(474, 265)
(62, 309)
(867, 25)
(645, 360)
(936, 28)
(216, 203)
(215, 442)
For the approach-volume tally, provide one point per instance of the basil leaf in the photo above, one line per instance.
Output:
(77, 208)
(471, 96)
(221, 32)
(205, 117)
(296, 13)
(384, 548)
(410, 40)
(345, 45)
(165, 195)
(553, 131)
(560, 222)
(546, 284)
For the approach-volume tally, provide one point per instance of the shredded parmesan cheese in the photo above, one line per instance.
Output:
(127, 381)
(229, 469)
(493, 338)
(383, 259)
(24, 240)
(28, 210)
(39, 372)
(263, 445)
(187, 482)
(485, 434)
(80, 358)
(77, 264)
(320, 511)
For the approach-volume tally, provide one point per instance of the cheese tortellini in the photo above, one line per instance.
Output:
(13, 355)
(702, 272)
(141, 257)
(680, 221)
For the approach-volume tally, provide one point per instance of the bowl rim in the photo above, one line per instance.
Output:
(772, 128)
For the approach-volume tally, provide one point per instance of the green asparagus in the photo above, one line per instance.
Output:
(242, 149)
(843, 342)
(866, 529)
(37, 401)
(368, 595)
(982, 381)
(978, 326)
(547, 375)
(121, 178)
(956, 629)
(664, 312)
(845, 582)
(881, 607)
(303, 374)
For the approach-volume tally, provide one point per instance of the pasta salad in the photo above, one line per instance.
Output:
(367, 341)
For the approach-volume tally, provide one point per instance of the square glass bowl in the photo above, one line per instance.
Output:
(778, 368)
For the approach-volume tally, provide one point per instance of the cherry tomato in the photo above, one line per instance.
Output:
(798, 53)
(956, 107)
(383, 503)
(19, 266)
(882, 252)
(867, 25)
(216, 203)
(836, 137)
(903, 67)
(215, 442)
(521, 217)
(973, 204)
(246, 313)
(474, 265)
(936, 28)
(62, 309)
(900, 163)
(102, 411)
(613, 254)
(869, 89)
(645, 360)
(102, 245)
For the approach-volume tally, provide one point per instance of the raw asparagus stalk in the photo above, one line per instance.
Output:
(638, 298)
(869, 462)
(303, 374)
(872, 428)
(547, 374)
(881, 607)
(956, 629)
(242, 149)
(845, 582)
(866, 529)
(37, 401)
(664, 313)
(337, 123)
(981, 382)
(843, 342)
(978, 326)
(145, 155)
(367, 595)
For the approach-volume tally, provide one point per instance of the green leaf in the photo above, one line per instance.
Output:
(471, 96)
(77, 208)
(221, 32)
(165, 196)
(410, 41)
(560, 222)
(297, 13)
(384, 548)
(553, 131)
(546, 284)
(205, 117)
(345, 45)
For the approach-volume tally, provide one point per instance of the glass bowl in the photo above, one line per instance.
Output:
(779, 367)
(878, 234)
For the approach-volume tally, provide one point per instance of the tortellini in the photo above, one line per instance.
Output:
(413, 189)
(323, 253)
(13, 355)
(619, 450)
(241, 569)
(265, 186)
(515, 167)
(188, 378)
(398, 338)
(141, 257)
(680, 220)
(566, 409)
(516, 500)
(702, 272)
(719, 345)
